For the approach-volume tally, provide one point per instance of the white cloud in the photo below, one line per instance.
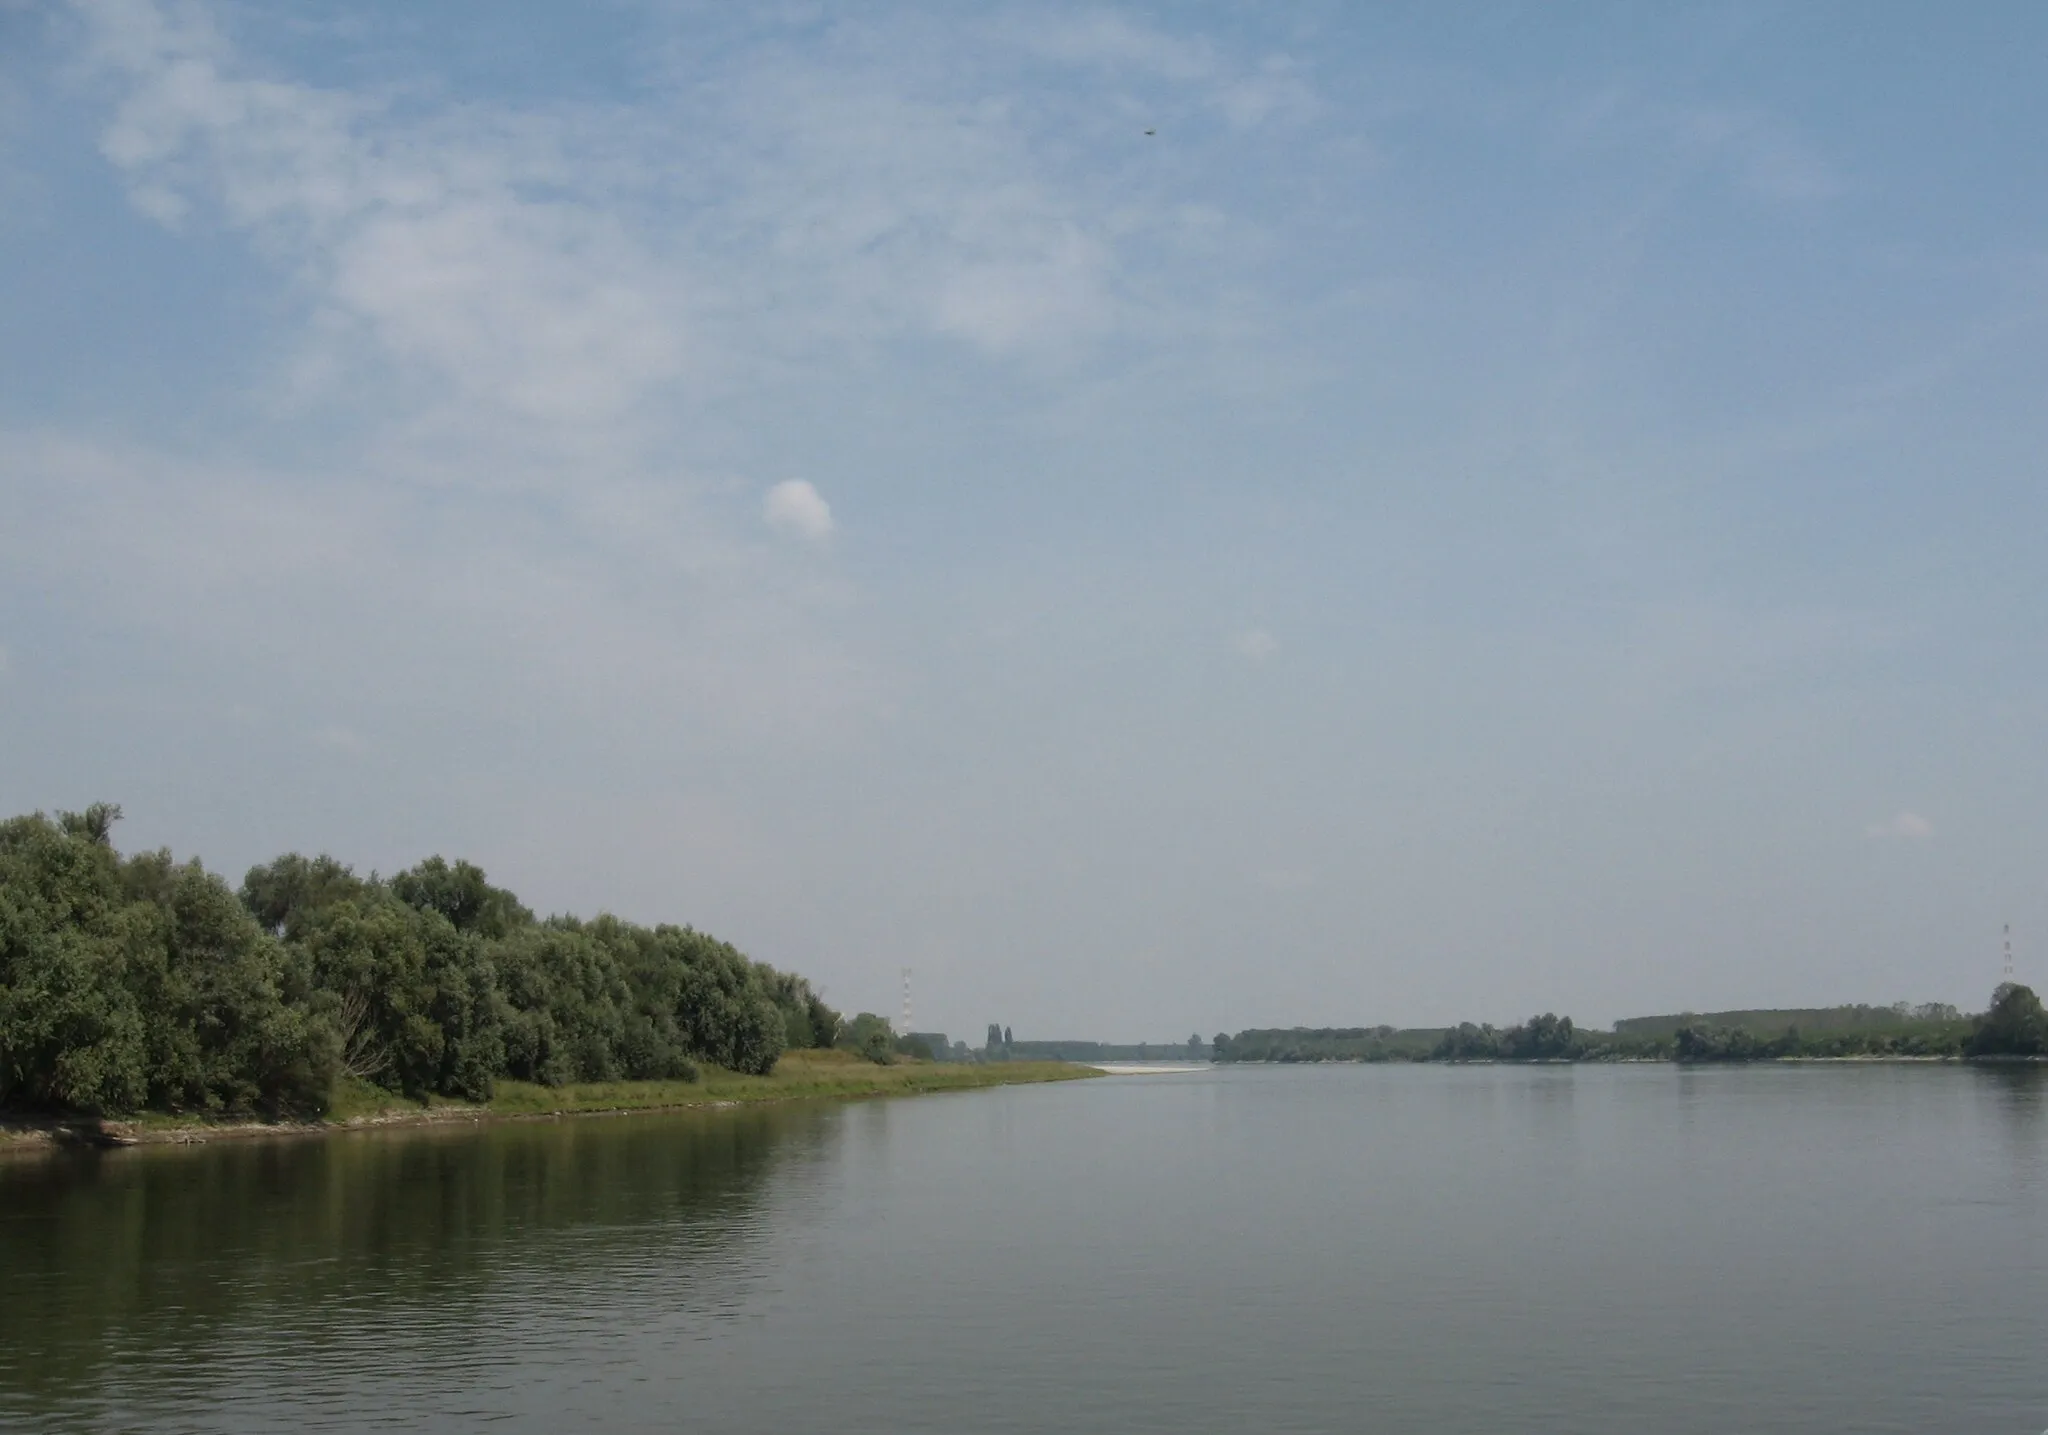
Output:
(1247, 95)
(570, 265)
(1273, 93)
(546, 298)
(1050, 290)
(20, 194)
(341, 739)
(1108, 39)
(469, 248)
(491, 302)
(1762, 155)
(1910, 826)
(1255, 644)
(873, 203)
(1674, 651)
(796, 509)
(1748, 149)
(615, 603)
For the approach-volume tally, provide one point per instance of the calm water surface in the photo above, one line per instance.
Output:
(1306, 1249)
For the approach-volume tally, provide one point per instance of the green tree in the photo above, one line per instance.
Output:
(806, 1019)
(414, 1003)
(825, 1023)
(221, 1036)
(1548, 1037)
(461, 894)
(1466, 1042)
(2014, 1025)
(145, 980)
(95, 824)
(141, 981)
(723, 1010)
(73, 1032)
(872, 1037)
(294, 888)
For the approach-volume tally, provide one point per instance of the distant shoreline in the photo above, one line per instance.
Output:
(1865, 1060)
(799, 1076)
(2013, 1025)
(1147, 1068)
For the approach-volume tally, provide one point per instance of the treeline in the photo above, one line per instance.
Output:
(1002, 1047)
(1898, 1018)
(144, 982)
(2013, 1026)
(1548, 1037)
(1302, 1044)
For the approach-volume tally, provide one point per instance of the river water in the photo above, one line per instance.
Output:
(1499, 1249)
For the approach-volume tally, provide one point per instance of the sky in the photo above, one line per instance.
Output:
(1158, 519)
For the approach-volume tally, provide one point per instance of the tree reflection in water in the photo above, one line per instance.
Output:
(144, 1272)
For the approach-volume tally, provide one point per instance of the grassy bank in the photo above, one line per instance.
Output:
(798, 1076)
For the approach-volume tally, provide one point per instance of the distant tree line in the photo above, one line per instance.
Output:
(144, 982)
(1001, 1046)
(1899, 1017)
(1542, 1038)
(873, 1037)
(2013, 1026)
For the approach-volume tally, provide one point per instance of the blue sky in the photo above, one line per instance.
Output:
(1488, 508)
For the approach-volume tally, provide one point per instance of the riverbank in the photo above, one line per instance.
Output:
(798, 1076)
(1881, 1059)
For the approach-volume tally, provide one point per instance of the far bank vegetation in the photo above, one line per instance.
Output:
(2013, 1027)
(147, 983)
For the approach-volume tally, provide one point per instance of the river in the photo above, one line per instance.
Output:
(1816, 1248)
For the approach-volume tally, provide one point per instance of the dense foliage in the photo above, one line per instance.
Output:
(1353, 1043)
(1705, 1042)
(1542, 1038)
(145, 982)
(1194, 1049)
(872, 1037)
(1898, 1018)
(2015, 1025)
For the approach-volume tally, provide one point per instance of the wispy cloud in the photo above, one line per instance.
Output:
(796, 509)
(1253, 644)
(18, 190)
(1246, 93)
(1673, 652)
(538, 302)
(338, 738)
(1106, 38)
(570, 265)
(603, 604)
(871, 201)
(1762, 154)
(485, 463)
(465, 247)
(1906, 826)
(1751, 149)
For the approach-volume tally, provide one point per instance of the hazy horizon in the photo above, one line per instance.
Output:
(1156, 519)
